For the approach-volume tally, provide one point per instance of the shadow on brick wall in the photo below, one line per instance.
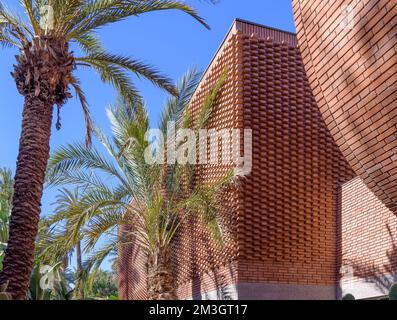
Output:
(367, 242)
(382, 276)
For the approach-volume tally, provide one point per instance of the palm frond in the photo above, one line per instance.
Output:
(89, 43)
(99, 13)
(76, 156)
(204, 202)
(94, 261)
(75, 83)
(64, 12)
(29, 9)
(81, 178)
(129, 133)
(128, 121)
(175, 106)
(6, 38)
(102, 224)
(116, 76)
(140, 69)
(53, 244)
(97, 199)
(14, 25)
(209, 102)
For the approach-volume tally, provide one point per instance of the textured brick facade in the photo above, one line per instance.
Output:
(349, 49)
(288, 221)
(301, 216)
(131, 268)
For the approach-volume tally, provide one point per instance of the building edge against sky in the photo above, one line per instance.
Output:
(349, 49)
(298, 227)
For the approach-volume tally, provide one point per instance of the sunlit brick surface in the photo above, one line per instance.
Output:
(368, 241)
(349, 48)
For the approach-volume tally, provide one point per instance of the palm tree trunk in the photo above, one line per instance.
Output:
(160, 279)
(28, 189)
(80, 271)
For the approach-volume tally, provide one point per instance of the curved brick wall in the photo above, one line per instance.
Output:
(349, 49)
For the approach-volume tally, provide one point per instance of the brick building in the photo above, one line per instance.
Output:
(349, 49)
(302, 220)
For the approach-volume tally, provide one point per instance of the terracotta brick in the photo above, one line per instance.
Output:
(283, 224)
(368, 235)
(363, 79)
(282, 219)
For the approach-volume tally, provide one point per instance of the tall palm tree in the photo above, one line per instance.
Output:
(154, 200)
(44, 73)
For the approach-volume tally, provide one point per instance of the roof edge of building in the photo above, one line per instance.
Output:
(263, 26)
(249, 28)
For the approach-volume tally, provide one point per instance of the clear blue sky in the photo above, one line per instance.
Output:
(171, 41)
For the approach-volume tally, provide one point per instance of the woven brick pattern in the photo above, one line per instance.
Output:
(199, 258)
(287, 229)
(286, 217)
(131, 267)
(280, 226)
(350, 56)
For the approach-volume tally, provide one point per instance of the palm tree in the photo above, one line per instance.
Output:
(151, 198)
(63, 233)
(104, 285)
(44, 73)
(54, 242)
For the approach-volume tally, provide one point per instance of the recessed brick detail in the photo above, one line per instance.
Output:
(349, 50)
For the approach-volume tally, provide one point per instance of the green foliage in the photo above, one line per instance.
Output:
(57, 235)
(122, 188)
(49, 283)
(104, 285)
(6, 191)
(209, 101)
(36, 292)
(63, 232)
(393, 292)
